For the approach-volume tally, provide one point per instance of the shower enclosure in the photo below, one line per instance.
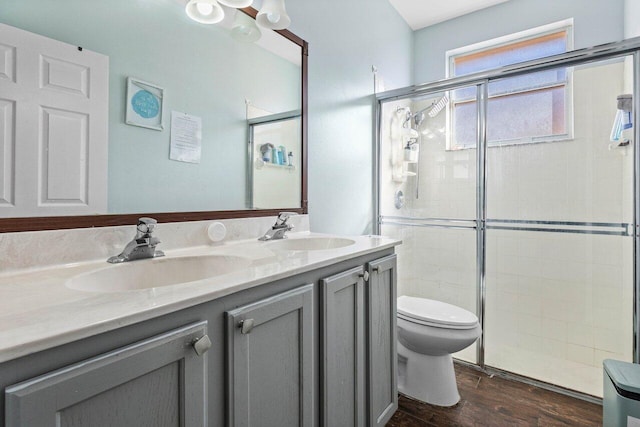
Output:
(517, 206)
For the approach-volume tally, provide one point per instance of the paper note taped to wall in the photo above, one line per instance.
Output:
(186, 137)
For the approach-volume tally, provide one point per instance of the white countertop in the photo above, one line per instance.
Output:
(38, 311)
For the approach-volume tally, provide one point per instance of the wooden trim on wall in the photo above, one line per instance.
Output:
(305, 126)
(12, 225)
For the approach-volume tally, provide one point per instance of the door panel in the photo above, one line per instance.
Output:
(59, 99)
(432, 207)
(270, 361)
(381, 340)
(343, 364)
(157, 382)
(559, 276)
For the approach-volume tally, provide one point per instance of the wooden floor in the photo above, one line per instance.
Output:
(495, 402)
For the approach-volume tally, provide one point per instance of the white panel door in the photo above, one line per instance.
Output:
(54, 100)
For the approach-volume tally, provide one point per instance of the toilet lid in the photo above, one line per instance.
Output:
(422, 310)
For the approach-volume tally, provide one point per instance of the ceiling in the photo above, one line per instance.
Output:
(422, 13)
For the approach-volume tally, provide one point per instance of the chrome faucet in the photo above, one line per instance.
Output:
(142, 246)
(278, 230)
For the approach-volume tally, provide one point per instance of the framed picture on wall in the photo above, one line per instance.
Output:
(144, 104)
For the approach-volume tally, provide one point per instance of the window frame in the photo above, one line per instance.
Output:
(530, 34)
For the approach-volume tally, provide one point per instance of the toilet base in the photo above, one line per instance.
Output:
(430, 379)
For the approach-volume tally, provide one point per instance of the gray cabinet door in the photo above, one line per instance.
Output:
(156, 382)
(270, 361)
(381, 340)
(343, 361)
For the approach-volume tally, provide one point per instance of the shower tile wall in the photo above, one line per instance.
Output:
(557, 303)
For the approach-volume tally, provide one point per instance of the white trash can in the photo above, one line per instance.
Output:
(621, 398)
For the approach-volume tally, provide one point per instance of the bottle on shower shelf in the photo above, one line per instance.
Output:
(411, 151)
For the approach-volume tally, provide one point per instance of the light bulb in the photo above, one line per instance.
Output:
(245, 29)
(273, 17)
(204, 9)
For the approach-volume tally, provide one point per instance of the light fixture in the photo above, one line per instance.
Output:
(205, 11)
(244, 28)
(273, 15)
(236, 3)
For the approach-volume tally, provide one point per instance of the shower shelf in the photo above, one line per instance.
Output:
(273, 165)
(260, 164)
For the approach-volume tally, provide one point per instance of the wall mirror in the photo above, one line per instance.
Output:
(236, 88)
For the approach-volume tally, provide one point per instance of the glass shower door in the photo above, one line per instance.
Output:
(428, 197)
(559, 248)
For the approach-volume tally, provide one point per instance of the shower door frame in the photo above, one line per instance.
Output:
(625, 48)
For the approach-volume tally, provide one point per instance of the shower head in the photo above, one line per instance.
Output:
(438, 106)
(434, 109)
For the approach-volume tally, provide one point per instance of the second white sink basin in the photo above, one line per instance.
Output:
(156, 272)
(310, 243)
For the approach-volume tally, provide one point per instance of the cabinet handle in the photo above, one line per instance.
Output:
(202, 345)
(365, 276)
(245, 326)
(376, 269)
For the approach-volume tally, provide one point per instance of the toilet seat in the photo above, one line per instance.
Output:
(438, 314)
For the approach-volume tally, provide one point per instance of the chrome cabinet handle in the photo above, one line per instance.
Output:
(202, 345)
(365, 276)
(246, 326)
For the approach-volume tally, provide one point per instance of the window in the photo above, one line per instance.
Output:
(530, 108)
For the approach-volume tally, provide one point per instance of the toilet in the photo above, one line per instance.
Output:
(429, 332)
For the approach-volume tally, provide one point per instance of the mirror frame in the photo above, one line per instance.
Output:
(9, 225)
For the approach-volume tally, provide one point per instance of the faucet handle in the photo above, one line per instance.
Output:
(146, 225)
(283, 217)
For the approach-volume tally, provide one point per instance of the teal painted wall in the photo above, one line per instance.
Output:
(345, 39)
(595, 22)
(204, 72)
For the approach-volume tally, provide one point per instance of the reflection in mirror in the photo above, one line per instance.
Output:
(275, 148)
(202, 71)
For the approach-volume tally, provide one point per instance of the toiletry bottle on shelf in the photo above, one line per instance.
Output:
(265, 151)
(283, 155)
(274, 155)
(411, 152)
(290, 160)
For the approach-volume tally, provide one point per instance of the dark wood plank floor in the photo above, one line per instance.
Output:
(496, 402)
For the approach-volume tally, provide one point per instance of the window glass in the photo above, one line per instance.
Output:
(522, 109)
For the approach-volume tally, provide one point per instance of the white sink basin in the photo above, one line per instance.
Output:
(154, 273)
(310, 244)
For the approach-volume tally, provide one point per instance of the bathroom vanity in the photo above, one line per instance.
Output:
(301, 334)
